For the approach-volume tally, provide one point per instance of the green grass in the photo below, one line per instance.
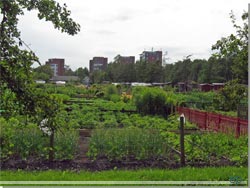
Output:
(182, 174)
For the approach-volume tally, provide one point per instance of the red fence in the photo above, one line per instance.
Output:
(215, 122)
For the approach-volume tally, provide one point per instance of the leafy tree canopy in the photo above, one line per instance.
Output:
(230, 96)
(235, 48)
(15, 63)
(43, 72)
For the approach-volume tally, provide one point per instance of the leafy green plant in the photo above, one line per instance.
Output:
(30, 142)
(25, 141)
(150, 101)
(126, 144)
(230, 96)
(109, 91)
(6, 134)
(9, 105)
(212, 147)
(66, 144)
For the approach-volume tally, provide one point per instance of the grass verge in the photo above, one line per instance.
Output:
(182, 174)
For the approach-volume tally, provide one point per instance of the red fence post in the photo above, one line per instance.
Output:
(238, 128)
(219, 125)
(205, 121)
(189, 114)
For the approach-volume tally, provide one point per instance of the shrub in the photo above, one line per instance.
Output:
(109, 91)
(230, 96)
(150, 101)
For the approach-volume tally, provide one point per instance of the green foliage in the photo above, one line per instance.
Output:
(66, 144)
(82, 73)
(196, 99)
(126, 144)
(97, 77)
(230, 96)
(15, 63)
(9, 105)
(24, 141)
(214, 147)
(21, 142)
(61, 97)
(182, 174)
(121, 72)
(150, 101)
(43, 72)
(29, 142)
(235, 48)
(5, 138)
(110, 90)
(149, 72)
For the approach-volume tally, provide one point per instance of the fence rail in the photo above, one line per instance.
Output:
(215, 122)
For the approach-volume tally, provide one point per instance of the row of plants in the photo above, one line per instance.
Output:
(135, 143)
(216, 146)
(23, 141)
(92, 116)
(127, 144)
(211, 148)
(70, 90)
(110, 105)
(156, 100)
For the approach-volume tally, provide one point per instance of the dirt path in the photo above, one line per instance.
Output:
(83, 143)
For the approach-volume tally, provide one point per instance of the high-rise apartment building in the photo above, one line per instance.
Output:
(98, 63)
(124, 59)
(57, 65)
(151, 56)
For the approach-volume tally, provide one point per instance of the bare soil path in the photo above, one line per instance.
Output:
(83, 143)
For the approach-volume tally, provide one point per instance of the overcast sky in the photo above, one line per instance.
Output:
(128, 27)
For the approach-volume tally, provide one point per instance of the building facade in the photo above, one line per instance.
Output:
(151, 56)
(98, 64)
(57, 65)
(124, 59)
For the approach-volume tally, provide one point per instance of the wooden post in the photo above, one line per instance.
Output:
(182, 140)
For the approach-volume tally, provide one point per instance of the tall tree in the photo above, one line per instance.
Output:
(168, 72)
(82, 73)
(235, 47)
(68, 71)
(15, 63)
(43, 72)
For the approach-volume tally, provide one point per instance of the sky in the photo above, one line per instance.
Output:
(128, 27)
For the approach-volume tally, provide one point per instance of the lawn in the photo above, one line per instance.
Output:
(181, 174)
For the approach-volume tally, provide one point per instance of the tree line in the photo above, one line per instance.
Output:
(198, 70)
(229, 61)
(44, 72)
